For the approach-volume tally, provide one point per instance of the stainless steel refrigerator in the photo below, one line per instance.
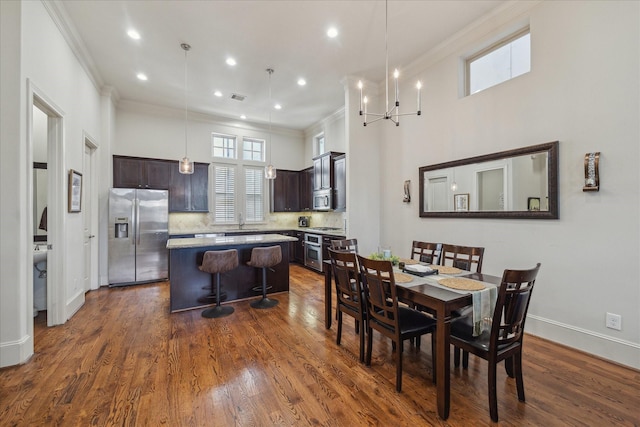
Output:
(138, 232)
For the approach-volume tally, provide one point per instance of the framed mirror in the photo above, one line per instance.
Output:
(519, 183)
(39, 202)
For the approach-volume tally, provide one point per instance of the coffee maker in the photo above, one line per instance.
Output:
(303, 221)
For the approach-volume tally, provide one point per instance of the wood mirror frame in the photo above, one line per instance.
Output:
(550, 148)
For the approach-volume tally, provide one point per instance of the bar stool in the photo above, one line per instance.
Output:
(216, 262)
(265, 257)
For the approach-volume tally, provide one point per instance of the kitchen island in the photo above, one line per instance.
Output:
(188, 285)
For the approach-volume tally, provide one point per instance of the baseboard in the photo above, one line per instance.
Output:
(16, 352)
(623, 352)
(74, 304)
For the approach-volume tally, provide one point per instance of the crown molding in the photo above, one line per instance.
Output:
(61, 19)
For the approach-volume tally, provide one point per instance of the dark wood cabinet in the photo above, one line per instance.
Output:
(306, 189)
(189, 193)
(298, 253)
(323, 176)
(138, 172)
(285, 194)
(340, 183)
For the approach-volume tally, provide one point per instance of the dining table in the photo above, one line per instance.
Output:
(442, 303)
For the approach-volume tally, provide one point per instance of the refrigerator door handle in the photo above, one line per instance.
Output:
(137, 202)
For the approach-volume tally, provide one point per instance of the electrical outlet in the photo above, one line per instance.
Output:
(614, 321)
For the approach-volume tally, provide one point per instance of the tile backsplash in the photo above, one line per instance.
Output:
(203, 222)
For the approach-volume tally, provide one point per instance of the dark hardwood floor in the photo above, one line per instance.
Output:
(123, 360)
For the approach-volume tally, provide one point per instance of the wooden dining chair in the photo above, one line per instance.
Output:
(504, 340)
(348, 245)
(426, 252)
(387, 317)
(350, 297)
(462, 257)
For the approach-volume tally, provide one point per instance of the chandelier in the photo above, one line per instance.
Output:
(392, 114)
(186, 166)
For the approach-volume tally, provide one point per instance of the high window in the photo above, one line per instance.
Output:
(223, 146)
(505, 60)
(238, 187)
(320, 148)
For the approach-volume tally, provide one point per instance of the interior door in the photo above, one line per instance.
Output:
(86, 217)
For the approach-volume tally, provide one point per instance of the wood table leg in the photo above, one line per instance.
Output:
(327, 296)
(442, 364)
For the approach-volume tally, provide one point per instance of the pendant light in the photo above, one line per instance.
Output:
(270, 171)
(186, 166)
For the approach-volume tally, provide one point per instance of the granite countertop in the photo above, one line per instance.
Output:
(228, 241)
(257, 229)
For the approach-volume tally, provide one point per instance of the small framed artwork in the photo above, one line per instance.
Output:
(461, 202)
(75, 191)
(533, 203)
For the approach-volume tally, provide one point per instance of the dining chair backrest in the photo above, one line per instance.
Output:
(462, 257)
(346, 275)
(380, 292)
(348, 245)
(426, 252)
(511, 308)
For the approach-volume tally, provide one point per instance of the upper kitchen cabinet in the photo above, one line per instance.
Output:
(189, 193)
(285, 194)
(306, 189)
(323, 170)
(340, 183)
(138, 172)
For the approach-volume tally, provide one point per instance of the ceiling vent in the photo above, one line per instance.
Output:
(237, 97)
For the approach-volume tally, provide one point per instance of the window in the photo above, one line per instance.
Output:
(223, 146)
(238, 185)
(253, 149)
(254, 185)
(224, 193)
(320, 144)
(502, 61)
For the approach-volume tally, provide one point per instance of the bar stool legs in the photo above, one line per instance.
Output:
(265, 257)
(217, 262)
(218, 310)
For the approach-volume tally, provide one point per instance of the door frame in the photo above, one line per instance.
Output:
(91, 209)
(56, 222)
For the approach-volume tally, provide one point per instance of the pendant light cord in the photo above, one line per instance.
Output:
(386, 52)
(186, 48)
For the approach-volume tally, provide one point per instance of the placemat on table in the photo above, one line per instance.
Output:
(402, 278)
(408, 261)
(445, 269)
(461, 283)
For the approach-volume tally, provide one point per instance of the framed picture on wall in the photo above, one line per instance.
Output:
(461, 202)
(75, 191)
(533, 203)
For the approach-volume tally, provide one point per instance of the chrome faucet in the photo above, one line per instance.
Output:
(240, 220)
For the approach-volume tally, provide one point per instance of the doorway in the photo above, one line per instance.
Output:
(52, 140)
(90, 275)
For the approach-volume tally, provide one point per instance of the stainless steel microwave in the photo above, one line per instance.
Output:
(323, 200)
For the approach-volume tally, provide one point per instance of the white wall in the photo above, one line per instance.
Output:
(151, 131)
(34, 50)
(583, 90)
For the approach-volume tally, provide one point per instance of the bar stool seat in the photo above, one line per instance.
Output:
(216, 262)
(265, 257)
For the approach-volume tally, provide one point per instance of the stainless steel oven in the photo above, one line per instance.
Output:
(313, 251)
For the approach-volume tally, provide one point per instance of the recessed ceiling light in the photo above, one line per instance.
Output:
(231, 61)
(133, 34)
(278, 107)
(302, 82)
(142, 76)
(332, 32)
(243, 117)
(217, 93)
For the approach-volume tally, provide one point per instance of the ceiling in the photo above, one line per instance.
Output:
(288, 36)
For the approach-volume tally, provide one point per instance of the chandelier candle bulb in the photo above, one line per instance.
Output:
(360, 87)
(419, 86)
(395, 76)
